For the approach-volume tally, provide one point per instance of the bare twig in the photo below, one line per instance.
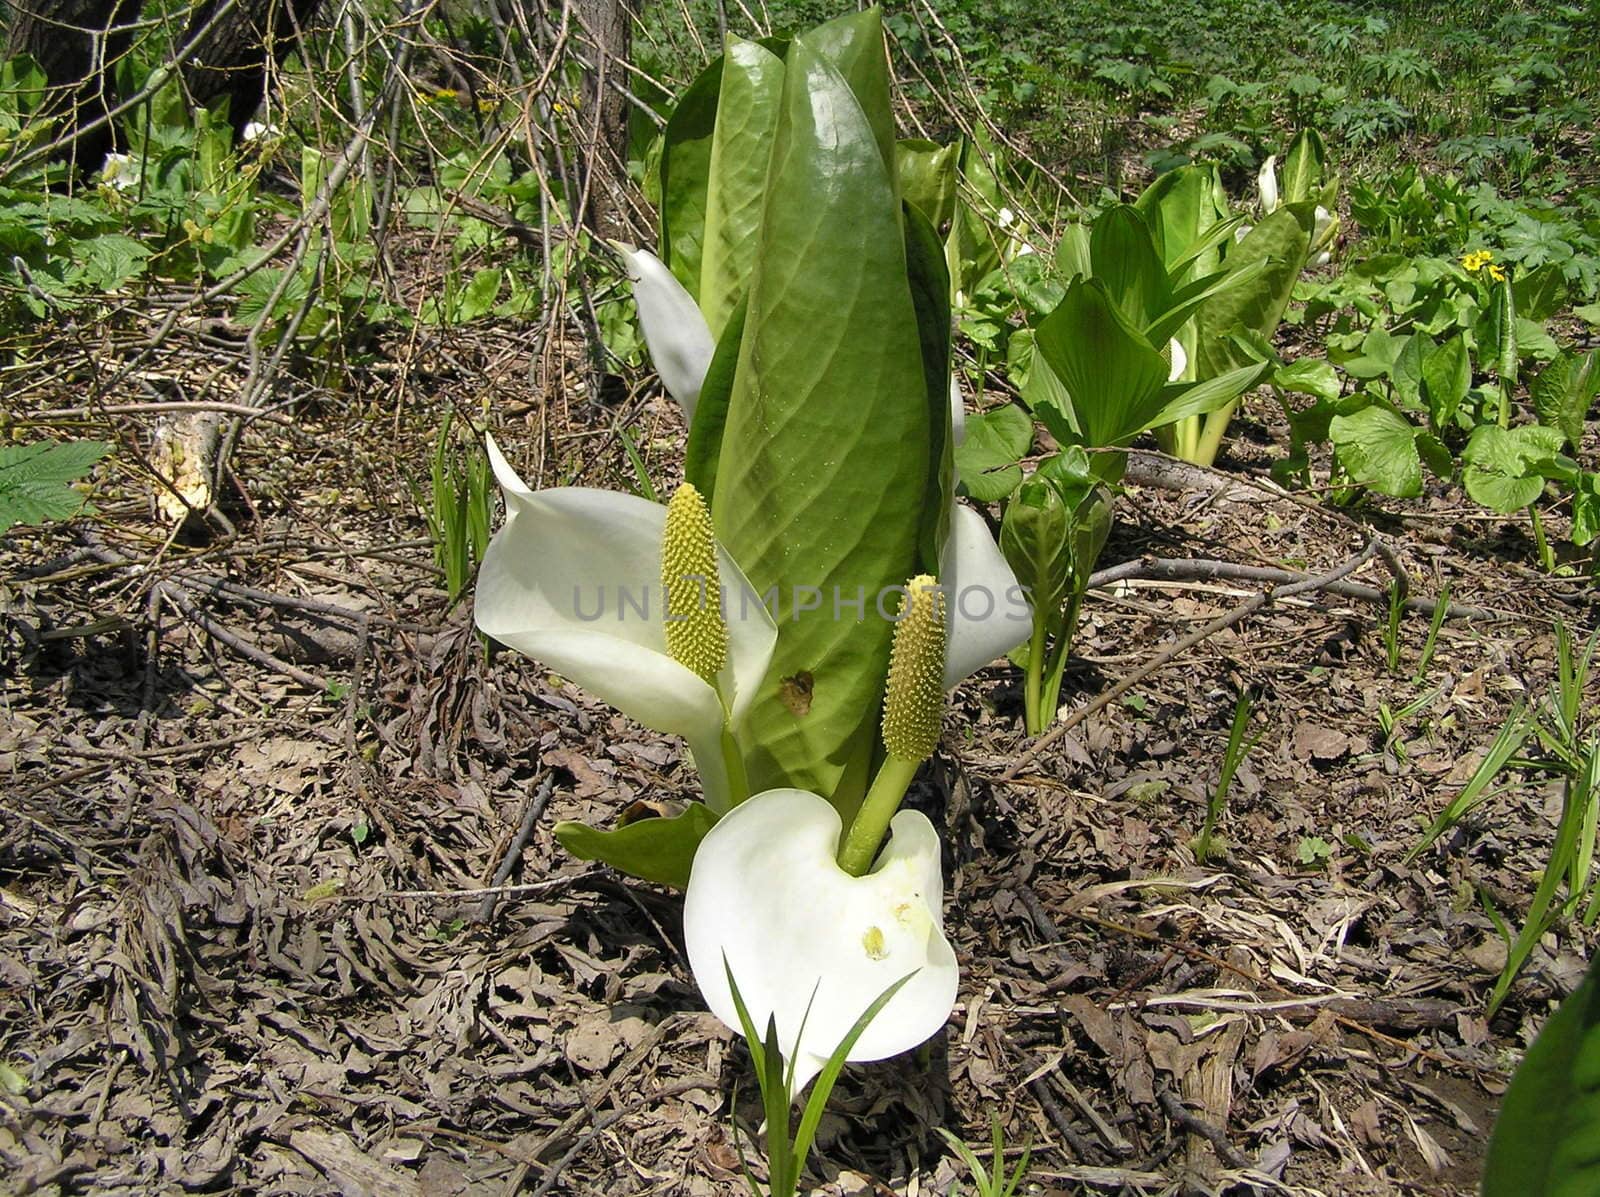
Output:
(532, 809)
(1196, 1125)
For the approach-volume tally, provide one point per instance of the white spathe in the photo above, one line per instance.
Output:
(1180, 360)
(679, 340)
(987, 612)
(1267, 180)
(810, 945)
(573, 579)
(958, 413)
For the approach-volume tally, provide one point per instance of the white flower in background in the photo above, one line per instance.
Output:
(1267, 180)
(574, 580)
(1006, 217)
(1180, 359)
(121, 171)
(260, 131)
(808, 944)
(675, 332)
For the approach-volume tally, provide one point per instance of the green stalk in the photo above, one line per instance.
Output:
(1547, 559)
(872, 820)
(1050, 701)
(733, 761)
(1033, 678)
(1212, 433)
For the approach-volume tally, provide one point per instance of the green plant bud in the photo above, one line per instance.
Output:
(914, 703)
(697, 635)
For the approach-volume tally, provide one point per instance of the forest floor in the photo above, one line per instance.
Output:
(252, 780)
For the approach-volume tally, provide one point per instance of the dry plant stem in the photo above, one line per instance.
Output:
(179, 598)
(1081, 1147)
(1195, 1125)
(533, 808)
(1221, 623)
(1203, 569)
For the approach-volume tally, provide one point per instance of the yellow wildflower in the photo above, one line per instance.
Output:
(444, 93)
(1497, 273)
(1477, 260)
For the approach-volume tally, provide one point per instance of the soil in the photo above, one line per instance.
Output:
(255, 782)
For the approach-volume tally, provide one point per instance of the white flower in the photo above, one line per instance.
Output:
(808, 944)
(987, 614)
(1267, 180)
(260, 131)
(1180, 360)
(573, 580)
(679, 340)
(120, 171)
(1006, 217)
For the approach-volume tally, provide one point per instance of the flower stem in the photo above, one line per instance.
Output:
(872, 820)
(733, 761)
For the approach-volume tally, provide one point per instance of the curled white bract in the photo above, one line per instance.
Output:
(987, 611)
(679, 340)
(810, 946)
(1180, 360)
(573, 580)
(1267, 181)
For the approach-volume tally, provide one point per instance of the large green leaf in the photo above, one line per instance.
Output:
(1504, 466)
(853, 46)
(1564, 391)
(747, 118)
(987, 458)
(1546, 1142)
(928, 173)
(35, 480)
(1281, 241)
(1036, 538)
(1304, 167)
(1446, 378)
(1181, 208)
(1377, 447)
(1111, 374)
(685, 176)
(929, 279)
(659, 850)
(704, 449)
(1127, 262)
(821, 484)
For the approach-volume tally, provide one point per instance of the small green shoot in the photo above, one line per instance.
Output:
(997, 1183)
(1391, 629)
(646, 489)
(1391, 722)
(1232, 757)
(458, 508)
(1571, 858)
(1516, 729)
(786, 1155)
(1441, 612)
(1313, 852)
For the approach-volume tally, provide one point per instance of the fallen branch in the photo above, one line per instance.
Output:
(1204, 569)
(1160, 660)
(530, 816)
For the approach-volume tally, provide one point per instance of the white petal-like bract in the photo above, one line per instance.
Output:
(808, 944)
(675, 332)
(988, 613)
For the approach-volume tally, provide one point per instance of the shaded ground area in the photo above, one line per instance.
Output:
(251, 784)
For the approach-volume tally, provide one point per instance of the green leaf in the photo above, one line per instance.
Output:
(1112, 376)
(822, 478)
(686, 174)
(1181, 400)
(853, 46)
(1546, 1141)
(1036, 539)
(1564, 391)
(1309, 376)
(1280, 242)
(110, 260)
(987, 458)
(704, 449)
(659, 850)
(1377, 447)
(747, 119)
(1446, 378)
(1182, 207)
(930, 296)
(35, 480)
(1126, 261)
(1540, 293)
(928, 177)
(1504, 466)
(1304, 167)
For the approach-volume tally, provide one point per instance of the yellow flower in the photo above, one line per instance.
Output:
(444, 93)
(1477, 260)
(1497, 273)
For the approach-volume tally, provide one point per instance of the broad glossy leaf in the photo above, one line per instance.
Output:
(1540, 293)
(1112, 375)
(704, 448)
(1377, 447)
(1072, 253)
(685, 176)
(1446, 378)
(1546, 1141)
(829, 414)
(1182, 207)
(1565, 390)
(1127, 262)
(659, 850)
(1309, 376)
(930, 297)
(1181, 400)
(928, 173)
(853, 46)
(747, 118)
(987, 459)
(1304, 167)
(1281, 241)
